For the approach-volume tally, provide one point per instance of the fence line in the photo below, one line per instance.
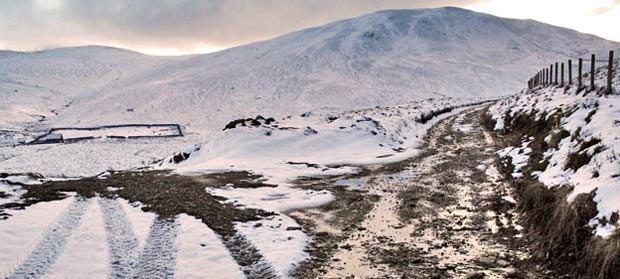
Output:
(552, 75)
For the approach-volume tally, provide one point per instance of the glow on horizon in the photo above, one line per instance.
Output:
(597, 17)
(179, 52)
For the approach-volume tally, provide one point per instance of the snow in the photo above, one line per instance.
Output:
(278, 199)
(88, 158)
(85, 251)
(201, 253)
(380, 59)
(315, 143)
(602, 173)
(310, 144)
(23, 179)
(24, 229)
(519, 155)
(279, 239)
(140, 221)
(509, 199)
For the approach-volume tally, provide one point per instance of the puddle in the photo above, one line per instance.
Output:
(351, 182)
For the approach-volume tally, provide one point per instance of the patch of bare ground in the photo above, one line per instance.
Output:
(330, 224)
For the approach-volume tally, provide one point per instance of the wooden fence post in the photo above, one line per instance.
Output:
(610, 71)
(551, 74)
(592, 73)
(562, 75)
(546, 76)
(579, 84)
(556, 73)
(570, 71)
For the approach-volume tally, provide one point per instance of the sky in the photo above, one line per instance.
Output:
(176, 27)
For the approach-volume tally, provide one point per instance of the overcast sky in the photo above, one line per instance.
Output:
(169, 27)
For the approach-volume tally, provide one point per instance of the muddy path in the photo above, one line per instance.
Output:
(446, 213)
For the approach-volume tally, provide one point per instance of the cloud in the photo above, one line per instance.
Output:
(603, 10)
(178, 24)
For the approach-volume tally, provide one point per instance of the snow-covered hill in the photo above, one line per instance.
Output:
(383, 58)
(41, 84)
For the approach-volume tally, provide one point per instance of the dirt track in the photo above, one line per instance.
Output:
(443, 214)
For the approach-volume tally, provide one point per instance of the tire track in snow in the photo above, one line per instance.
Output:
(44, 255)
(122, 241)
(252, 262)
(158, 257)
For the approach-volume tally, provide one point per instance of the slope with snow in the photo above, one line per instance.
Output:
(583, 151)
(37, 86)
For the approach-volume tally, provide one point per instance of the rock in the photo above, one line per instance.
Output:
(475, 275)
(309, 131)
(486, 260)
(293, 228)
(502, 263)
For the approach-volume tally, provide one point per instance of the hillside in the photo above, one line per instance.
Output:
(383, 58)
(39, 85)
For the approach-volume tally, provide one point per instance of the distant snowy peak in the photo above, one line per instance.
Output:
(391, 30)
